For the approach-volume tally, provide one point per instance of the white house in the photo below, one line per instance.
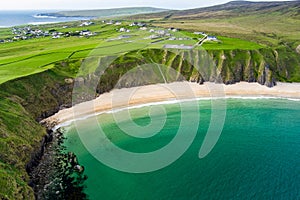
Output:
(212, 38)
(122, 29)
(86, 23)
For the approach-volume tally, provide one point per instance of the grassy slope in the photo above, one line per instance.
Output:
(269, 23)
(23, 58)
(18, 139)
(21, 103)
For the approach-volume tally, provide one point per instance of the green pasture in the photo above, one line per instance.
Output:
(26, 57)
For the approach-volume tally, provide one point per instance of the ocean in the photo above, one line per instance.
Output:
(256, 157)
(16, 18)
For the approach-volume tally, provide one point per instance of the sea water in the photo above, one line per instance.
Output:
(16, 18)
(256, 157)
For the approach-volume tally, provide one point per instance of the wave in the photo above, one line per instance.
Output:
(44, 17)
(69, 122)
(261, 97)
(42, 23)
(168, 102)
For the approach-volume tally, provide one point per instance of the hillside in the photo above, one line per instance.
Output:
(233, 9)
(103, 13)
(270, 23)
(240, 8)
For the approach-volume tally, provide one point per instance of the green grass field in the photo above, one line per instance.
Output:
(25, 57)
(227, 43)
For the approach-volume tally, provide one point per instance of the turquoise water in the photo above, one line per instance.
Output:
(256, 157)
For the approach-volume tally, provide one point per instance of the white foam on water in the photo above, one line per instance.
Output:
(44, 17)
(168, 102)
(41, 23)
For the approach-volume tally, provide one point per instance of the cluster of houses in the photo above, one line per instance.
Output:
(28, 32)
(139, 24)
(112, 22)
(142, 26)
(82, 33)
(25, 33)
(156, 34)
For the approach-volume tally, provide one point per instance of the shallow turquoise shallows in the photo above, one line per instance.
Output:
(256, 157)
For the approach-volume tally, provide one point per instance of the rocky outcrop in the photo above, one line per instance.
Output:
(58, 175)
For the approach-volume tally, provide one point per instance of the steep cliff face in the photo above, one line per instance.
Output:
(23, 102)
(250, 66)
(265, 66)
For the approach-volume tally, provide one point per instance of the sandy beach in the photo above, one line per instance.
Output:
(120, 98)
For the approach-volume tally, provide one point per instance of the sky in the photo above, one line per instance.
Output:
(101, 4)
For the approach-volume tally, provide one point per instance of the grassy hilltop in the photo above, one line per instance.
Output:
(256, 42)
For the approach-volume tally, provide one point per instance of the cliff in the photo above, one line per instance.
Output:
(265, 66)
(23, 102)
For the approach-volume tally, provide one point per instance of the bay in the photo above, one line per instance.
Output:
(256, 157)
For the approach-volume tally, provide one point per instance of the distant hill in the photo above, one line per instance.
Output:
(238, 8)
(271, 23)
(115, 12)
(234, 9)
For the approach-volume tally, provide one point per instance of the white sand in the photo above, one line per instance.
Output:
(119, 98)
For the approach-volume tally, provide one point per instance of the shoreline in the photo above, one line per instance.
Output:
(140, 96)
(51, 174)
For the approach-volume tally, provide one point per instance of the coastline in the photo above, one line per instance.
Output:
(171, 92)
(56, 174)
(30, 17)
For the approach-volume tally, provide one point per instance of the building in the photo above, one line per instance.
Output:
(124, 30)
(212, 38)
(86, 24)
(174, 46)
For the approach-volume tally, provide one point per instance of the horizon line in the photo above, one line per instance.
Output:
(138, 6)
